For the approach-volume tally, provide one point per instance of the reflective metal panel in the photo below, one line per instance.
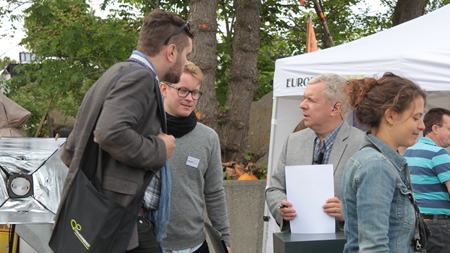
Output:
(31, 179)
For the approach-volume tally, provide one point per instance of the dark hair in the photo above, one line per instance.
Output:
(371, 97)
(434, 116)
(158, 26)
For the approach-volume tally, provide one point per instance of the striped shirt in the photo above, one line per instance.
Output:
(326, 146)
(429, 165)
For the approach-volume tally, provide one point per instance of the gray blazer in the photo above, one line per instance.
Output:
(298, 150)
(126, 132)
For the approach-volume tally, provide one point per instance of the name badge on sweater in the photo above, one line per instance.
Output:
(193, 162)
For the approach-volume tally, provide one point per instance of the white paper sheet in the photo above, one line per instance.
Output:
(308, 187)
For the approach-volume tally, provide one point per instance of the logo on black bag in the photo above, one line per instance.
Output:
(76, 230)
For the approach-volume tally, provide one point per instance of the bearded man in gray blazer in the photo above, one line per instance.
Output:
(328, 139)
(128, 129)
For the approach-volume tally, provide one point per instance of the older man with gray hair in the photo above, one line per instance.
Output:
(328, 139)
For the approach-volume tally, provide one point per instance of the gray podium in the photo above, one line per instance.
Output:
(308, 243)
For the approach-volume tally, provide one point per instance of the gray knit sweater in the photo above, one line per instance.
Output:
(197, 176)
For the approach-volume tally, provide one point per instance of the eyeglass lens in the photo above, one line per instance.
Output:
(184, 93)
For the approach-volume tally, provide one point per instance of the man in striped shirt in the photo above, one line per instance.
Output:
(429, 163)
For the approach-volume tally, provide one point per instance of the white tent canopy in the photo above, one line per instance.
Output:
(418, 50)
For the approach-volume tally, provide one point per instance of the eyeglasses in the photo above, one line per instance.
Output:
(183, 93)
(177, 31)
(319, 159)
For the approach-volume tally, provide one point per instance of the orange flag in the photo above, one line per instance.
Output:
(311, 43)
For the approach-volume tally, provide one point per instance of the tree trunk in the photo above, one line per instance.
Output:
(243, 81)
(203, 22)
(406, 10)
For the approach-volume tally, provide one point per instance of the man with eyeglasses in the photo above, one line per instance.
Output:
(196, 169)
(328, 139)
(429, 164)
(130, 129)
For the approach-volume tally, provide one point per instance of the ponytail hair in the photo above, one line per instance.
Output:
(370, 97)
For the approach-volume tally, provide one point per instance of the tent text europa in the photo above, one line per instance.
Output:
(297, 82)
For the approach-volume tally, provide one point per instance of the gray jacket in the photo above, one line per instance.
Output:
(126, 131)
(298, 150)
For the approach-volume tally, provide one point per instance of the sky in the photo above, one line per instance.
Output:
(9, 45)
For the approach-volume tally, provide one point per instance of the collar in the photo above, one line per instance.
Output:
(428, 141)
(138, 55)
(392, 155)
(329, 139)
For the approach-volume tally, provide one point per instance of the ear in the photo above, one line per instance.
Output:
(163, 88)
(434, 129)
(171, 53)
(337, 107)
(390, 115)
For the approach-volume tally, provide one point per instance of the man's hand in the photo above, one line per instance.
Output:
(333, 207)
(169, 140)
(287, 213)
(229, 249)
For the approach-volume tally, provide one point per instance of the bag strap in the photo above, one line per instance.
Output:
(416, 240)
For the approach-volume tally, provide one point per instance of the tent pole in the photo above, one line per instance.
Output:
(324, 21)
(269, 172)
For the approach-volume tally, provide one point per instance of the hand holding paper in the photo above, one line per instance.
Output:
(333, 208)
(286, 210)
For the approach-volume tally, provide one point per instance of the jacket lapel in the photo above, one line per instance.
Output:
(339, 146)
(308, 142)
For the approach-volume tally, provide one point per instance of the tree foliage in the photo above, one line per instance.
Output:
(5, 62)
(74, 46)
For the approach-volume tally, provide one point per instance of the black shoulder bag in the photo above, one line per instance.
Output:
(88, 220)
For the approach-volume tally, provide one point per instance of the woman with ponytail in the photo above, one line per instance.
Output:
(375, 190)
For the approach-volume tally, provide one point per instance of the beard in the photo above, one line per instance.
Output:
(174, 73)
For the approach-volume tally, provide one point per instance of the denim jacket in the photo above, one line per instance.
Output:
(379, 216)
